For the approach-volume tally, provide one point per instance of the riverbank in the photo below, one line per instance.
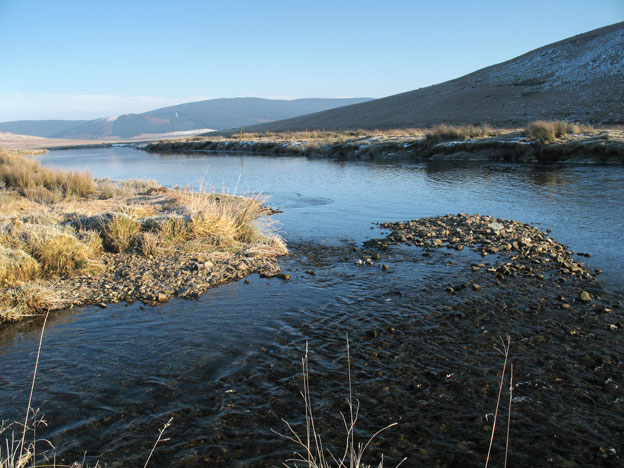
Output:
(582, 145)
(67, 239)
(424, 352)
(423, 336)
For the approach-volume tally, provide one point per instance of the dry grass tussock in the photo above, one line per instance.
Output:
(21, 173)
(28, 299)
(57, 224)
(456, 133)
(548, 131)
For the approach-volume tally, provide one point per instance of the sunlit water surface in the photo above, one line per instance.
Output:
(110, 377)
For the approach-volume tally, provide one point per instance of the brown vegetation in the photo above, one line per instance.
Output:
(57, 224)
(455, 133)
(542, 141)
(548, 131)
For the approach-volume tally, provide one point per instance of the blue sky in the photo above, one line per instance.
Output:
(86, 59)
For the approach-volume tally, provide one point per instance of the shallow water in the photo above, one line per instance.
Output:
(329, 201)
(225, 367)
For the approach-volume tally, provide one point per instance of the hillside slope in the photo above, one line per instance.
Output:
(41, 128)
(580, 78)
(210, 114)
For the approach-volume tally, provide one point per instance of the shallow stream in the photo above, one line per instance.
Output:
(226, 367)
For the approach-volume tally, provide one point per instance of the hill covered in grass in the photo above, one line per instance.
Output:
(580, 79)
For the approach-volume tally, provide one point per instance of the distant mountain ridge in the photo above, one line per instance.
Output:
(580, 79)
(214, 114)
(42, 128)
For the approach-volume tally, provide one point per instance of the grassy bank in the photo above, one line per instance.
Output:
(56, 225)
(540, 141)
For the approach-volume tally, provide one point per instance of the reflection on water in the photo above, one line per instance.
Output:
(328, 201)
(109, 378)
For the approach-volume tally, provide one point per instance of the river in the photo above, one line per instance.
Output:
(226, 367)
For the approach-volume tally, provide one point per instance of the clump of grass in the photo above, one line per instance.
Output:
(140, 185)
(42, 195)
(120, 232)
(16, 266)
(548, 131)
(457, 133)
(221, 219)
(61, 254)
(106, 189)
(56, 251)
(19, 172)
(80, 184)
(28, 299)
(150, 244)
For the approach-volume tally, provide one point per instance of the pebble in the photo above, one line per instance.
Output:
(584, 296)
(486, 235)
(130, 277)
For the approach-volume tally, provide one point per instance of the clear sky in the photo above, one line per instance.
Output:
(85, 59)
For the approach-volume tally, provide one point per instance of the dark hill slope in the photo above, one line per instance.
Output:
(580, 78)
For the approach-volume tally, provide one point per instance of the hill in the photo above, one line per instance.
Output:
(40, 128)
(580, 79)
(210, 114)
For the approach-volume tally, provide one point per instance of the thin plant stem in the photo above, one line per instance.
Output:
(351, 428)
(500, 391)
(32, 386)
(315, 456)
(509, 413)
(162, 431)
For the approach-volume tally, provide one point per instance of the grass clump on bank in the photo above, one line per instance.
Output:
(445, 132)
(548, 131)
(19, 172)
(57, 224)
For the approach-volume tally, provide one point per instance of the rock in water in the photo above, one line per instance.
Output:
(162, 297)
(585, 297)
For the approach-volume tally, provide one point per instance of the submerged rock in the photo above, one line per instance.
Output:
(584, 296)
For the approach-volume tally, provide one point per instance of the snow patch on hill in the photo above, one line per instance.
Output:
(576, 63)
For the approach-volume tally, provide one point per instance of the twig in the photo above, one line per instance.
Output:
(32, 386)
(352, 428)
(500, 391)
(162, 431)
(509, 412)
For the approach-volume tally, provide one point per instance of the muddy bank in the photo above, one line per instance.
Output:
(597, 147)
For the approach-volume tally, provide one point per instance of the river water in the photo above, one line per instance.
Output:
(226, 367)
